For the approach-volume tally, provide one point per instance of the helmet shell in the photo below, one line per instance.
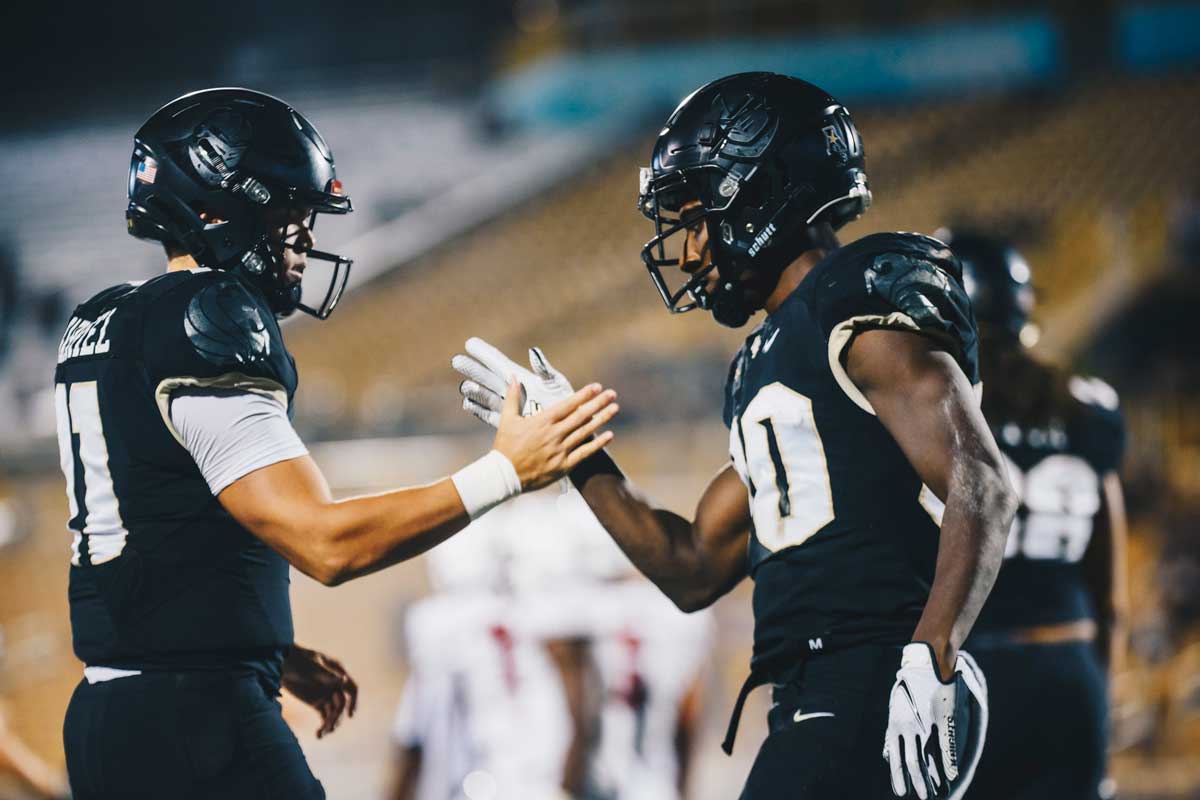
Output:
(208, 164)
(997, 279)
(766, 156)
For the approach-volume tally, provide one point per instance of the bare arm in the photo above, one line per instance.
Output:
(289, 506)
(1104, 566)
(584, 694)
(924, 400)
(693, 563)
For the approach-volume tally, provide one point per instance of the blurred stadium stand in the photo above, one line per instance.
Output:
(499, 211)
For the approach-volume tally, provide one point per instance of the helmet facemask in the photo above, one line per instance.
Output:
(747, 227)
(662, 199)
(264, 263)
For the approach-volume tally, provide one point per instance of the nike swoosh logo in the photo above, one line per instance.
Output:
(798, 717)
(771, 341)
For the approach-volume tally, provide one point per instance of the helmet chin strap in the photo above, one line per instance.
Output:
(261, 265)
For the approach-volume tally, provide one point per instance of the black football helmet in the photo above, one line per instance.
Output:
(997, 279)
(232, 154)
(767, 157)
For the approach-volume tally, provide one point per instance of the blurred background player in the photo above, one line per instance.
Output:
(650, 656)
(653, 659)
(1053, 628)
(543, 665)
(502, 696)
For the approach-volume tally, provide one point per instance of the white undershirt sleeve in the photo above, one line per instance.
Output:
(230, 433)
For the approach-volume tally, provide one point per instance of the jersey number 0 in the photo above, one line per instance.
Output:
(777, 450)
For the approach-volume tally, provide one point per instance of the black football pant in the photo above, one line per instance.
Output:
(807, 755)
(184, 736)
(1048, 727)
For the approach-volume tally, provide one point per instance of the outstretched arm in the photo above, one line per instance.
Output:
(924, 400)
(693, 563)
(289, 506)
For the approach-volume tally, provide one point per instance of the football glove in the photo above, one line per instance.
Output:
(488, 371)
(935, 729)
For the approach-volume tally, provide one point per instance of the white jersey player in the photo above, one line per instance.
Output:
(544, 667)
(651, 658)
(649, 653)
(483, 713)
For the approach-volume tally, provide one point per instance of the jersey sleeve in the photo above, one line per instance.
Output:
(210, 331)
(1102, 435)
(230, 433)
(897, 282)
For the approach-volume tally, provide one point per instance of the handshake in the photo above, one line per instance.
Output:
(544, 427)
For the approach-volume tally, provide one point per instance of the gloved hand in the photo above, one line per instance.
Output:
(487, 372)
(928, 721)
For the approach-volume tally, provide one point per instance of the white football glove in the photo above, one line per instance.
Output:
(924, 715)
(488, 371)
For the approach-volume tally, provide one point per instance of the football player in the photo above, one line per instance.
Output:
(581, 588)
(1052, 626)
(652, 659)
(189, 491)
(502, 683)
(484, 705)
(853, 418)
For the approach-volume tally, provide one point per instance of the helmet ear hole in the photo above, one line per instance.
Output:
(753, 194)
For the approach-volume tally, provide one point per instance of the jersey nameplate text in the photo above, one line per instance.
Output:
(86, 337)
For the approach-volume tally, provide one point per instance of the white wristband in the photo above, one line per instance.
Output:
(486, 483)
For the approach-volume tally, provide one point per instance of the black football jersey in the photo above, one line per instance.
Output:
(1057, 470)
(844, 536)
(161, 576)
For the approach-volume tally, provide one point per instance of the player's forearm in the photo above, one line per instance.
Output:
(290, 507)
(659, 543)
(365, 534)
(979, 511)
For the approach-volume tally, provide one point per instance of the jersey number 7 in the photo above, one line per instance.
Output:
(100, 533)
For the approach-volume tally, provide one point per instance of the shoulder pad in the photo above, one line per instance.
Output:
(1099, 430)
(225, 325)
(915, 275)
(910, 283)
(1093, 392)
(901, 281)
